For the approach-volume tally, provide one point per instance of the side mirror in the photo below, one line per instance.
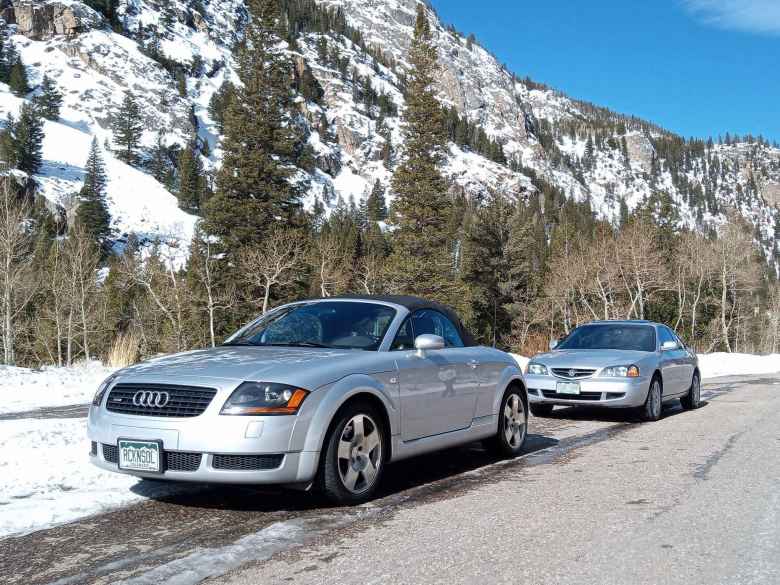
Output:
(553, 344)
(670, 346)
(425, 343)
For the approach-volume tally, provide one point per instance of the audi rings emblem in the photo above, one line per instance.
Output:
(151, 399)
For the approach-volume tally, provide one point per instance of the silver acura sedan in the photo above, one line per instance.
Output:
(319, 393)
(615, 364)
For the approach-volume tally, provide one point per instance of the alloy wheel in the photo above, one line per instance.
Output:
(359, 454)
(514, 421)
(655, 398)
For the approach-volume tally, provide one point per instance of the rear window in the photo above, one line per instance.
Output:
(625, 337)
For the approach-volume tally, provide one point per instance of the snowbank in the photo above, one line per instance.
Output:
(22, 389)
(46, 479)
(715, 365)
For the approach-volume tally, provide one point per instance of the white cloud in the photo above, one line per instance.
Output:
(757, 16)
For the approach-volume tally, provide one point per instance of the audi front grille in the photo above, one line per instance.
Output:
(172, 460)
(160, 400)
(247, 462)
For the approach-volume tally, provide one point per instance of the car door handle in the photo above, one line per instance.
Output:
(473, 364)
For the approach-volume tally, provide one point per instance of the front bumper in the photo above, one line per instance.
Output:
(277, 441)
(601, 392)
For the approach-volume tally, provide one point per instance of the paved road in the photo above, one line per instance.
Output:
(597, 499)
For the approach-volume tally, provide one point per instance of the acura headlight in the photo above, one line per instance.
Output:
(101, 391)
(261, 398)
(620, 372)
(536, 369)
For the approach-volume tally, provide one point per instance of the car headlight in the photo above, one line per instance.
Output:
(262, 398)
(101, 391)
(620, 372)
(536, 369)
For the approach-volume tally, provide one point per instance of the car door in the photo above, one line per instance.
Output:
(437, 389)
(687, 365)
(670, 362)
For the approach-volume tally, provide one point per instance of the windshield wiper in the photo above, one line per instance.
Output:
(240, 344)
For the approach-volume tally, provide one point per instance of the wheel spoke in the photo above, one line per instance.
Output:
(508, 412)
(345, 449)
(371, 441)
(369, 473)
(508, 434)
(357, 425)
(514, 406)
(350, 479)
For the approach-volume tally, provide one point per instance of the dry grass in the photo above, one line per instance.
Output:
(124, 351)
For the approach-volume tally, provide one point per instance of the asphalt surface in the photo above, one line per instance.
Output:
(596, 499)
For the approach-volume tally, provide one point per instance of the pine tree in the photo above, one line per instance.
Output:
(376, 206)
(17, 74)
(160, 165)
(191, 179)
(49, 101)
(128, 129)
(93, 212)
(261, 143)
(28, 139)
(218, 104)
(422, 261)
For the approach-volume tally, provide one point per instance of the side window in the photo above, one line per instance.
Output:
(430, 322)
(666, 335)
(404, 339)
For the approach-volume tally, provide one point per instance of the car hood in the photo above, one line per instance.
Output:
(308, 368)
(586, 358)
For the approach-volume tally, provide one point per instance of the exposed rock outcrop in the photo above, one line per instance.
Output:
(44, 20)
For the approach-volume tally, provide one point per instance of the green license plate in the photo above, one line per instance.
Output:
(572, 388)
(140, 455)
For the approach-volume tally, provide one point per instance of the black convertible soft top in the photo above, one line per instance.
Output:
(415, 304)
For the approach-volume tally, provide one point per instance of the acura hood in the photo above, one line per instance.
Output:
(587, 358)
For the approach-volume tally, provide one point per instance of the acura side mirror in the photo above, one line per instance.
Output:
(425, 343)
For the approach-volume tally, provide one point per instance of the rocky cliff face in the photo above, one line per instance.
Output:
(94, 66)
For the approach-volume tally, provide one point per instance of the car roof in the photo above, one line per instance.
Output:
(412, 304)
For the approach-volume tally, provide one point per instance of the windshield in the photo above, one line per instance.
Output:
(625, 337)
(332, 325)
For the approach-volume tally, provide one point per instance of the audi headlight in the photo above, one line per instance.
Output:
(620, 372)
(101, 391)
(261, 398)
(536, 369)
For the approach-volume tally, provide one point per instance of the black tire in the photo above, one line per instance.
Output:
(542, 410)
(335, 472)
(512, 424)
(692, 400)
(653, 407)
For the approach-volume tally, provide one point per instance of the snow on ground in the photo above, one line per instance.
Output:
(716, 365)
(22, 389)
(45, 477)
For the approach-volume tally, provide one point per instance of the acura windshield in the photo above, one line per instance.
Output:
(626, 337)
(325, 324)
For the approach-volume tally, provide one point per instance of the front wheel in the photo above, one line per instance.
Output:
(651, 411)
(692, 400)
(353, 458)
(512, 425)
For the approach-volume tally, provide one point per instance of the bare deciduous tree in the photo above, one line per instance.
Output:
(15, 265)
(328, 261)
(275, 263)
(204, 264)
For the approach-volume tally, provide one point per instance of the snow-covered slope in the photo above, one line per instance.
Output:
(175, 58)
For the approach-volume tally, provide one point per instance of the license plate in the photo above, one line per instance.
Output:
(140, 455)
(568, 388)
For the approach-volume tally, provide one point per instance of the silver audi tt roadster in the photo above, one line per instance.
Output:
(320, 393)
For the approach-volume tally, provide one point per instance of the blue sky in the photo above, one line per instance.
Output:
(697, 67)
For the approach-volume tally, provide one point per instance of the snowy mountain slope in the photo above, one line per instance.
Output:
(174, 55)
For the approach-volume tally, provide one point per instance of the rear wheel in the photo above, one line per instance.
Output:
(512, 424)
(693, 398)
(651, 411)
(353, 458)
(542, 410)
